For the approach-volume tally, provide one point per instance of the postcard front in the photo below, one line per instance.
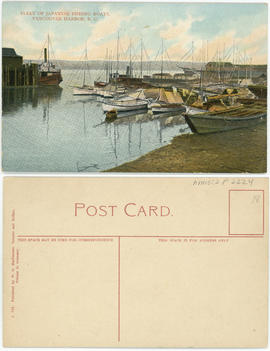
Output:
(134, 87)
(146, 262)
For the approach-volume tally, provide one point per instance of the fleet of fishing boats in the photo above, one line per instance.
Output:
(216, 108)
(207, 114)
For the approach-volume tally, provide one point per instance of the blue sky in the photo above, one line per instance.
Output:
(214, 28)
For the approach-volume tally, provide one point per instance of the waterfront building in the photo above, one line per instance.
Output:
(15, 73)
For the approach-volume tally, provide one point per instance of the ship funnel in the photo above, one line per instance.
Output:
(45, 55)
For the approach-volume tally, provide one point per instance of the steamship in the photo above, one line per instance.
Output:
(49, 74)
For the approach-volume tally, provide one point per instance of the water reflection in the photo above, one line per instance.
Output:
(48, 129)
(135, 140)
(13, 99)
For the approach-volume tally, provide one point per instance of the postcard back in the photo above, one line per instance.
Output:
(146, 262)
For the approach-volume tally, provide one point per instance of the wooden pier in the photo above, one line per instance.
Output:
(15, 73)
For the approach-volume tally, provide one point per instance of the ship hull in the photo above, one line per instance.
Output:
(166, 108)
(214, 124)
(52, 79)
(100, 84)
(124, 107)
(82, 91)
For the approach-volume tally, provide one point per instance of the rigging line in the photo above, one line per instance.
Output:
(78, 73)
(80, 67)
(42, 52)
(54, 58)
(186, 55)
(70, 77)
(101, 71)
(148, 63)
(169, 57)
(146, 54)
(157, 55)
(213, 59)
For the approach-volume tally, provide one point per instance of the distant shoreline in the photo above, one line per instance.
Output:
(155, 65)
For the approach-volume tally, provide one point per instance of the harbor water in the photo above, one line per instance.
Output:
(50, 130)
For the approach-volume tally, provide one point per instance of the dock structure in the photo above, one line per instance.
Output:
(15, 73)
(224, 71)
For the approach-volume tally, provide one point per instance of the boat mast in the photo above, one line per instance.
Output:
(161, 60)
(130, 70)
(202, 58)
(219, 77)
(117, 55)
(201, 84)
(85, 58)
(107, 65)
(238, 67)
(48, 59)
(141, 58)
(111, 63)
(233, 52)
(192, 51)
(246, 63)
(223, 63)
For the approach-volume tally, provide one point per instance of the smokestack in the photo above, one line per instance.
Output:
(45, 55)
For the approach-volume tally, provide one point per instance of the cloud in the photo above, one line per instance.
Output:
(181, 28)
(101, 39)
(14, 32)
(110, 24)
(245, 48)
(249, 46)
(69, 39)
(180, 37)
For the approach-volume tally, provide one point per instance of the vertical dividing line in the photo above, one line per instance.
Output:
(119, 289)
(263, 212)
(229, 214)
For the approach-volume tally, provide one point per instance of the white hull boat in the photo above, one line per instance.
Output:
(82, 91)
(124, 105)
(106, 94)
(96, 92)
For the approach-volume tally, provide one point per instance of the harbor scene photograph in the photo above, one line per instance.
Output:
(134, 87)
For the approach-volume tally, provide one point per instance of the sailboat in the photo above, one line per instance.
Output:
(133, 102)
(84, 89)
(99, 83)
(226, 100)
(48, 73)
(226, 119)
(167, 101)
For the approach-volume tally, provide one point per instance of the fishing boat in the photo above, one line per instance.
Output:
(84, 89)
(214, 103)
(125, 105)
(49, 74)
(100, 84)
(132, 102)
(108, 94)
(220, 121)
(190, 110)
(167, 102)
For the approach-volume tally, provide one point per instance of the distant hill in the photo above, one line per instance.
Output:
(149, 65)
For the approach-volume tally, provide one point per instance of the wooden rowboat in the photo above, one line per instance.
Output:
(226, 120)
